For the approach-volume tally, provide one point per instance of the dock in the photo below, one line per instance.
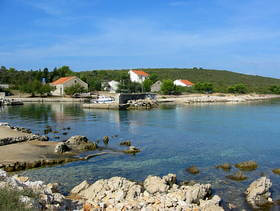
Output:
(114, 106)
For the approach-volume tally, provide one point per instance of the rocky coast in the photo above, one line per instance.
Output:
(118, 193)
(214, 98)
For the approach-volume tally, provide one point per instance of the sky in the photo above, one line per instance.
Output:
(236, 35)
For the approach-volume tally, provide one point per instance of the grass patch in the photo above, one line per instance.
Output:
(9, 199)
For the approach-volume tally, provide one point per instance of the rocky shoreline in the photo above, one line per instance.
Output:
(213, 98)
(21, 150)
(118, 193)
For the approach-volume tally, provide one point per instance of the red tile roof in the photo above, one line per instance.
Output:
(139, 72)
(62, 80)
(187, 82)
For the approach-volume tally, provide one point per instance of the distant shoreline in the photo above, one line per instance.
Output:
(213, 98)
(170, 99)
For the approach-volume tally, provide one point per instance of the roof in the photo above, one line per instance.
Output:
(140, 72)
(62, 80)
(187, 82)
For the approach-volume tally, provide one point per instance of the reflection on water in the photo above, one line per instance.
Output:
(171, 139)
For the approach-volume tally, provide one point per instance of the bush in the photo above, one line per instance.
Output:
(204, 87)
(238, 89)
(147, 85)
(168, 88)
(9, 199)
(77, 88)
(36, 87)
(275, 89)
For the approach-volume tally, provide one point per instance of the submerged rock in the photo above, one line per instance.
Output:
(238, 176)
(257, 194)
(106, 139)
(125, 143)
(193, 170)
(132, 150)
(247, 165)
(225, 166)
(276, 171)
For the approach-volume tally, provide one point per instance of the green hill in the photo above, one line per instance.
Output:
(221, 79)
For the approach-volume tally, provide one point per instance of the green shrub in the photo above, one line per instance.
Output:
(147, 85)
(204, 87)
(275, 89)
(9, 199)
(168, 88)
(77, 88)
(238, 89)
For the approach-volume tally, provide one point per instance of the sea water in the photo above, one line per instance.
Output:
(171, 139)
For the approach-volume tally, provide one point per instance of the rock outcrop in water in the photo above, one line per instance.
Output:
(257, 194)
(76, 144)
(156, 193)
(247, 165)
(237, 176)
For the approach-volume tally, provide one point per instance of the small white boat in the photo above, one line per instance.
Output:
(103, 99)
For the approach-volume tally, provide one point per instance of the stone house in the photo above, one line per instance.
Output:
(65, 82)
(156, 86)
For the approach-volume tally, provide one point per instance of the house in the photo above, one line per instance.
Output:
(138, 76)
(156, 86)
(111, 86)
(65, 82)
(4, 86)
(184, 83)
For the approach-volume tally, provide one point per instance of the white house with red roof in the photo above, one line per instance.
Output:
(184, 83)
(138, 76)
(64, 82)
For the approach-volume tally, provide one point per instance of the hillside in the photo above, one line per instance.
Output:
(221, 79)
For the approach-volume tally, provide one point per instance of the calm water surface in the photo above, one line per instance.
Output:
(171, 139)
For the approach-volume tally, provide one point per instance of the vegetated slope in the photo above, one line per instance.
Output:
(221, 79)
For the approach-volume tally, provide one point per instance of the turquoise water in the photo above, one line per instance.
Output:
(171, 139)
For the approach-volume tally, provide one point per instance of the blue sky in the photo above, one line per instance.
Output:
(237, 35)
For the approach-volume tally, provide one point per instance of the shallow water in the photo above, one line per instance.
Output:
(171, 139)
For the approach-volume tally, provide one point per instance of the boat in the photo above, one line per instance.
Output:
(103, 100)
(10, 102)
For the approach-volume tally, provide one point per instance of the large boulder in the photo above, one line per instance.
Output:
(77, 140)
(116, 188)
(61, 148)
(258, 193)
(196, 192)
(154, 184)
(82, 186)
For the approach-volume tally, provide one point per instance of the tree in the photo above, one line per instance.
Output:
(77, 88)
(153, 77)
(168, 87)
(238, 89)
(204, 87)
(36, 87)
(275, 89)
(94, 84)
(147, 85)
